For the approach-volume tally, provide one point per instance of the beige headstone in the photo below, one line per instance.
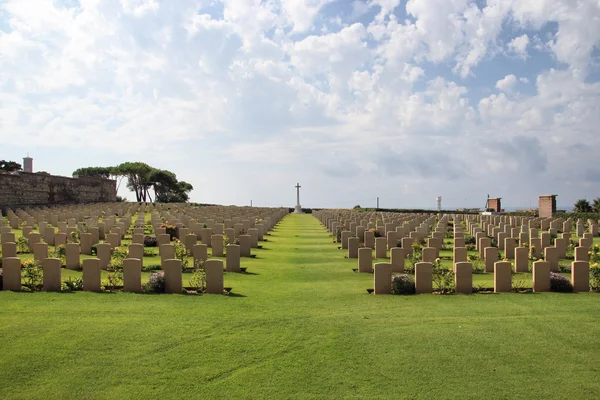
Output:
(463, 278)
(167, 252)
(460, 254)
(136, 251)
(380, 247)
(429, 254)
(11, 274)
(245, 245)
(541, 276)
(232, 258)
(580, 276)
(173, 275)
(490, 257)
(214, 276)
(200, 252)
(51, 275)
(132, 275)
(397, 259)
(365, 259)
(353, 244)
(40, 251)
(521, 259)
(103, 252)
(9, 250)
(92, 280)
(581, 254)
(217, 245)
(502, 276)
(424, 277)
(382, 278)
(72, 255)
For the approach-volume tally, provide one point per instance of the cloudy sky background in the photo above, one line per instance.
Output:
(405, 100)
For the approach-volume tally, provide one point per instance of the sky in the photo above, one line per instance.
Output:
(401, 100)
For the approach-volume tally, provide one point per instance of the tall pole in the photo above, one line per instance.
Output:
(378, 202)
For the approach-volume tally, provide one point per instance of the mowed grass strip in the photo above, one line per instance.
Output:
(301, 326)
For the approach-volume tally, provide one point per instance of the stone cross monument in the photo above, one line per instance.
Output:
(298, 209)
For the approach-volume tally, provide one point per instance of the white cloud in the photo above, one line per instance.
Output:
(507, 84)
(519, 45)
(295, 90)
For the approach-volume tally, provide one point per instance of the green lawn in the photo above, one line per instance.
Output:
(300, 326)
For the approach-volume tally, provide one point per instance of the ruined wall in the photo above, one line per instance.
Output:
(31, 189)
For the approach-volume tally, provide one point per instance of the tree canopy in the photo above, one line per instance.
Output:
(145, 181)
(10, 166)
(582, 205)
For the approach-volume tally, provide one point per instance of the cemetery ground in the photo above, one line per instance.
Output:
(299, 324)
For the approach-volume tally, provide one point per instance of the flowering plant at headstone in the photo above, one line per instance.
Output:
(170, 229)
(156, 283)
(595, 276)
(181, 253)
(560, 283)
(32, 274)
(22, 245)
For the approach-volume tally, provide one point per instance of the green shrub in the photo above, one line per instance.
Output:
(595, 277)
(73, 284)
(403, 284)
(560, 283)
(156, 283)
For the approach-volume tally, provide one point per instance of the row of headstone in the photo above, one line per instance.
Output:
(132, 275)
(463, 278)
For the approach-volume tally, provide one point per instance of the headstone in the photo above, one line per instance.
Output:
(245, 245)
(86, 243)
(72, 255)
(581, 254)
(463, 279)
(397, 259)
(509, 248)
(49, 235)
(173, 277)
(365, 259)
(580, 276)
(103, 252)
(423, 277)
(353, 244)
(551, 256)
(9, 250)
(40, 251)
(484, 242)
(51, 279)
(502, 277)
(11, 274)
(490, 258)
(217, 245)
(429, 254)
(200, 252)
(132, 275)
(370, 239)
(345, 236)
(521, 259)
(167, 252)
(214, 276)
(232, 258)
(136, 251)
(541, 276)
(380, 247)
(91, 275)
(459, 255)
(382, 278)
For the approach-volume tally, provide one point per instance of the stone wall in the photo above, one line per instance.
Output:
(32, 189)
